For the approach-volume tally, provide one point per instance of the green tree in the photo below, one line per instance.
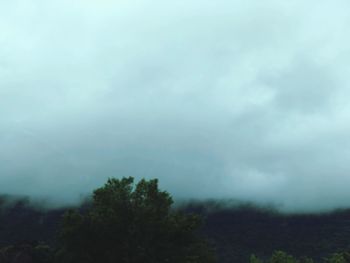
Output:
(343, 257)
(255, 259)
(282, 257)
(132, 223)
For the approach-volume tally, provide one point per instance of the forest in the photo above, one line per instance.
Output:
(130, 222)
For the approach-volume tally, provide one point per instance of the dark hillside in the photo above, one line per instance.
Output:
(236, 233)
(242, 232)
(20, 222)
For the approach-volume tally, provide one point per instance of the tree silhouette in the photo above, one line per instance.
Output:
(131, 223)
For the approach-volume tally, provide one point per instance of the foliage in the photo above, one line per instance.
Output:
(255, 259)
(343, 257)
(280, 256)
(26, 253)
(131, 223)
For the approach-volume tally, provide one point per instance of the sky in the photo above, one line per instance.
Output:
(227, 99)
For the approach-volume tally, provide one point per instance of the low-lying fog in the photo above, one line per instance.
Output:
(243, 100)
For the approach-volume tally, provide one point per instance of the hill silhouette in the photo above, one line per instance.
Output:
(236, 232)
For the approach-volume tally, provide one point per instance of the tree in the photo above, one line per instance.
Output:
(279, 256)
(255, 259)
(342, 257)
(282, 257)
(131, 223)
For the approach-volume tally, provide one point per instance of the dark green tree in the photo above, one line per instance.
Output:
(279, 256)
(341, 257)
(255, 259)
(132, 223)
(282, 257)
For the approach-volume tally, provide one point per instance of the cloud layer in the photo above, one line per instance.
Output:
(218, 99)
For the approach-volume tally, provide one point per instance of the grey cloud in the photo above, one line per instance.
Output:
(226, 100)
(305, 87)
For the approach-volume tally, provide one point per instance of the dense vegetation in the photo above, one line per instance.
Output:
(131, 223)
(127, 222)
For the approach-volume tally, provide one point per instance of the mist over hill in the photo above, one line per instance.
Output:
(223, 99)
(235, 232)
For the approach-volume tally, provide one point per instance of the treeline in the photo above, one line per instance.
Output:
(41, 253)
(283, 257)
(136, 222)
(126, 222)
(247, 230)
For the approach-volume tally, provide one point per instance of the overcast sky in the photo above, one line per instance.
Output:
(247, 100)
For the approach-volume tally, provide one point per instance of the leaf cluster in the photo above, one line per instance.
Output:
(132, 223)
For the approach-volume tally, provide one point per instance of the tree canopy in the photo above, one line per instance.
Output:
(132, 223)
